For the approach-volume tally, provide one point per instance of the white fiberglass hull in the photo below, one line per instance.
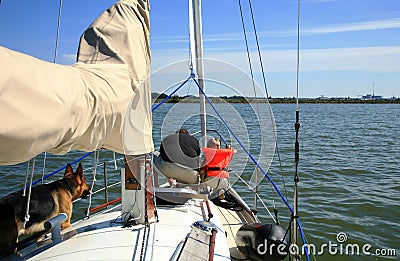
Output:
(103, 237)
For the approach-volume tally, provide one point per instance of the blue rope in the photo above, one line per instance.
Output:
(62, 168)
(303, 239)
(169, 96)
(254, 160)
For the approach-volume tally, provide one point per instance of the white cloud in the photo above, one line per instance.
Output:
(368, 59)
(220, 37)
(353, 27)
(170, 39)
(393, 23)
(68, 58)
(373, 59)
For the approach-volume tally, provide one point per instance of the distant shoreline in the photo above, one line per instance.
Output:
(335, 101)
(157, 98)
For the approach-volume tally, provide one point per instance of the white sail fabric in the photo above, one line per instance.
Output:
(86, 106)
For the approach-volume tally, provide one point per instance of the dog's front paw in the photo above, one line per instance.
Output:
(65, 225)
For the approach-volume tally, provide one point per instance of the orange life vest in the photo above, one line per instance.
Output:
(216, 161)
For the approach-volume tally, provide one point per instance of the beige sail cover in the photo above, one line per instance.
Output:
(87, 106)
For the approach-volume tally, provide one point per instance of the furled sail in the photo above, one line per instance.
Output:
(87, 106)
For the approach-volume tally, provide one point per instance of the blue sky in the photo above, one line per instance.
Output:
(347, 46)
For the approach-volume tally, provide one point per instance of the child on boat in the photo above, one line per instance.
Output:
(214, 170)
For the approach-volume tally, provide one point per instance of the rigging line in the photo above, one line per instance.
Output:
(314, 258)
(109, 186)
(62, 168)
(95, 161)
(133, 158)
(115, 161)
(190, 61)
(303, 239)
(44, 165)
(155, 206)
(247, 47)
(281, 168)
(170, 95)
(142, 249)
(227, 221)
(153, 243)
(188, 89)
(154, 190)
(146, 203)
(258, 49)
(58, 31)
(54, 61)
(27, 216)
(266, 90)
(146, 217)
(26, 178)
(254, 87)
(265, 84)
(101, 164)
(235, 217)
(258, 196)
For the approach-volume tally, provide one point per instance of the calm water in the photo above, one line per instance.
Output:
(349, 168)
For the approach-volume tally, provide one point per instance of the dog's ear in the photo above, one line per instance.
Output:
(68, 170)
(79, 170)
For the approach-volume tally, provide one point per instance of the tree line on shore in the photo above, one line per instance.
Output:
(156, 97)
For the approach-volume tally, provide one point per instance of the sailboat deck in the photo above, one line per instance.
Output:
(231, 222)
(103, 237)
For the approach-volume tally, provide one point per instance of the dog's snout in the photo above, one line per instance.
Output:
(85, 194)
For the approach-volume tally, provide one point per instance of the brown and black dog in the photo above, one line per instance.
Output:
(47, 201)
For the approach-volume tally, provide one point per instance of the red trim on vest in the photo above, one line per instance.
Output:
(217, 161)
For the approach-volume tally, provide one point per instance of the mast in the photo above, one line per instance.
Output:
(196, 57)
